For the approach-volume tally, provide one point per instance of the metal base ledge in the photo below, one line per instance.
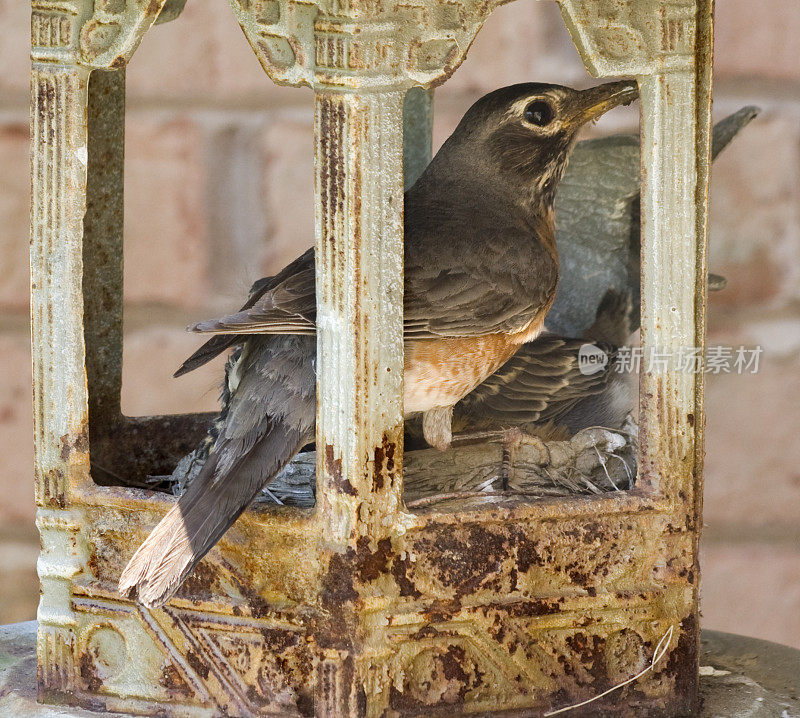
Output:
(739, 677)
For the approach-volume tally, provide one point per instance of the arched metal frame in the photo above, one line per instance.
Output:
(359, 607)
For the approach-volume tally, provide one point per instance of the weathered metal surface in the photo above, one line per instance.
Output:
(361, 45)
(672, 57)
(358, 607)
(739, 677)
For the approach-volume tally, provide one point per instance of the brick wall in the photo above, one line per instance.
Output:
(219, 191)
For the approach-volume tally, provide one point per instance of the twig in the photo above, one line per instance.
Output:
(613, 431)
(605, 468)
(273, 497)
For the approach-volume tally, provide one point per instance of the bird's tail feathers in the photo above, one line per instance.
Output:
(202, 515)
(160, 564)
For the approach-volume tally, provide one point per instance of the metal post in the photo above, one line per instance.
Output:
(359, 356)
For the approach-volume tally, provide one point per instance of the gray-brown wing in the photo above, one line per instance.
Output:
(474, 272)
(461, 303)
(261, 287)
(541, 383)
(285, 305)
(443, 296)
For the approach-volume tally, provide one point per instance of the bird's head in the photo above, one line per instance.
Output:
(526, 131)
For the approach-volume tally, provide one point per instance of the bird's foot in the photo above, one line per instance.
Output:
(512, 437)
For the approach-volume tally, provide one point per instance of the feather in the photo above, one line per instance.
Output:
(269, 418)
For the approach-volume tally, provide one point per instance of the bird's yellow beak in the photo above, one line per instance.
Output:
(597, 100)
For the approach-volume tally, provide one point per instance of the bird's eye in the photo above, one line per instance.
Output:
(539, 113)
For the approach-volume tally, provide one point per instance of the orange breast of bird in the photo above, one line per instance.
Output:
(439, 372)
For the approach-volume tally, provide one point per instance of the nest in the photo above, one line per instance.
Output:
(480, 468)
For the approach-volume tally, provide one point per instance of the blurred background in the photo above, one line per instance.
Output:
(219, 191)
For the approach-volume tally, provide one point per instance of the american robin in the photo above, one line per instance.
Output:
(481, 270)
(597, 226)
(542, 389)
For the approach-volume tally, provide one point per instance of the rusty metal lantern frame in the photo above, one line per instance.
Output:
(359, 607)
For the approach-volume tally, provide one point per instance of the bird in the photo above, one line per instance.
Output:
(541, 389)
(481, 271)
(598, 225)
(547, 391)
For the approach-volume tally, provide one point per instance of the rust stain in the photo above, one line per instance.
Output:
(589, 650)
(335, 627)
(173, 683)
(383, 463)
(372, 564)
(203, 583)
(197, 665)
(55, 487)
(88, 671)
(402, 570)
(440, 679)
(337, 585)
(466, 558)
(682, 665)
(333, 467)
(79, 445)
